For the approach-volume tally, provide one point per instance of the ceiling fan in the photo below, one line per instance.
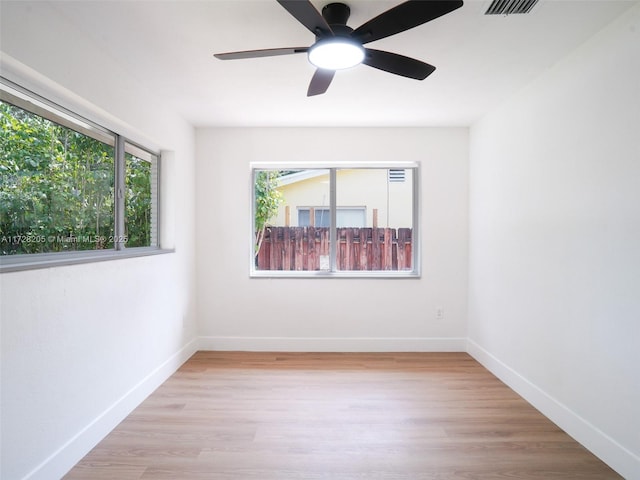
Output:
(338, 46)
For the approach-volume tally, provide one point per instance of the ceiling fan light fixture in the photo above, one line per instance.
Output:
(336, 53)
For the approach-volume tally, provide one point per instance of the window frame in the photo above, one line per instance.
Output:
(333, 272)
(135, 150)
(15, 94)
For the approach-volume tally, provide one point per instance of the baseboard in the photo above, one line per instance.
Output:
(61, 461)
(604, 447)
(333, 344)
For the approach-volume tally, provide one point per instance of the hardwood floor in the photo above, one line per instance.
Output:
(338, 416)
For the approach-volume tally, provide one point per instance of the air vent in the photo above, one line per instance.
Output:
(509, 7)
(396, 175)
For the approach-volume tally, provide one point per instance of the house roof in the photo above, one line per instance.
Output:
(300, 176)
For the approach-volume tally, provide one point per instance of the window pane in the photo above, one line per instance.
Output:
(284, 237)
(56, 186)
(304, 217)
(351, 217)
(322, 216)
(140, 198)
(383, 241)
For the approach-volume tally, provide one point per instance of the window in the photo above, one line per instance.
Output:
(141, 198)
(68, 186)
(345, 217)
(335, 220)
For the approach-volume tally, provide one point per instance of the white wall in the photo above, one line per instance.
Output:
(236, 312)
(554, 295)
(82, 345)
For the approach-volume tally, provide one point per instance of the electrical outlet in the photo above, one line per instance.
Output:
(439, 313)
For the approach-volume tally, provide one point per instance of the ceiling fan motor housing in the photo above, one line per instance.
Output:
(339, 50)
(336, 14)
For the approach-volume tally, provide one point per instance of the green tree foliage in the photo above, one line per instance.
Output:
(57, 188)
(268, 199)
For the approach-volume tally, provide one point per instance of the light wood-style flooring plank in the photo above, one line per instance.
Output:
(338, 416)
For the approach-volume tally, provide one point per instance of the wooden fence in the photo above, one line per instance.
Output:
(304, 248)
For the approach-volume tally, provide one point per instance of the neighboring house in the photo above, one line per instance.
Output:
(365, 197)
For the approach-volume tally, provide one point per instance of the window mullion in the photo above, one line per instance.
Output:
(333, 240)
(119, 189)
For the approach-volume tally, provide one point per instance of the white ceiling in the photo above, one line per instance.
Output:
(168, 47)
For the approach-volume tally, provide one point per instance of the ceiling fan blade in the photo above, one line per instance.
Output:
(268, 52)
(320, 82)
(397, 64)
(403, 17)
(307, 15)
